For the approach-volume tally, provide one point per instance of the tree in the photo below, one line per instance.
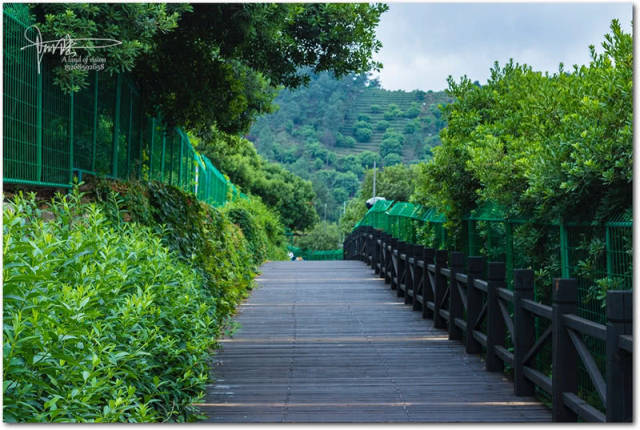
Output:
(392, 159)
(289, 195)
(323, 237)
(363, 134)
(382, 125)
(220, 64)
(390, 146)
(392, 182)
(367, 158)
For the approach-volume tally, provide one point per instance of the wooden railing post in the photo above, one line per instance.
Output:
(564, 355)
(524, 330)
(403, 248)
(387, 258)
(495, 323)
(375, 253)
(440, 288)
(427, 293)
(369, 246)
(474, 303)
(418, 251)
(456, 308)
(619, 362)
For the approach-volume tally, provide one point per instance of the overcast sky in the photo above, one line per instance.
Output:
(426, 42)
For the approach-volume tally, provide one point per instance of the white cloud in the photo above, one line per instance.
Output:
(426, 42)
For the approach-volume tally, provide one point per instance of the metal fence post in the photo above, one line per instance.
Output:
(564, 250)
(474, 303)
(39, 126)
(619, 363)
(456, 309)
(164, 146)
(116, 129)
(564, 355)
(95, 122)
(524, 330)
(71, 127)
(495, 324)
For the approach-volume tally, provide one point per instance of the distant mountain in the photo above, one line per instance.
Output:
(331, 131)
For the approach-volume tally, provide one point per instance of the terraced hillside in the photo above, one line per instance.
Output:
(362, 103)
(331, 131)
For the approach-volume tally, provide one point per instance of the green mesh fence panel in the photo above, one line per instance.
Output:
(105, 123)
(21, 104)
(305, 254)
(84, 115)
(377, 217)
(56, 156)
(400, 221)
(100, 130)
(431, 232)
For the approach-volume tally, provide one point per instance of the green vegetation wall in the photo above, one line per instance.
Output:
(113, 304)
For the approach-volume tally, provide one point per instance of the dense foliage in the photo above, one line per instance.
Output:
(261, 228)
(102, 322)
(282, 191)
(538, 145)
(334, 129)
(203, 63)
(323, 236)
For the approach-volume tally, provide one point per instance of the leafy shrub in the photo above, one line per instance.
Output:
(364, 118)
(261, 227)
(102, 322)
(345, 141)
(413, 111)
(198, 233)
(375, 108)
(382, 125)
(390, 146)
(363, 134)
(362, 124)
(409, 128)
(392, 159)
(323, 237)
(392, 112)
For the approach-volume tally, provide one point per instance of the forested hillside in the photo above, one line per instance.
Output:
(331, 131)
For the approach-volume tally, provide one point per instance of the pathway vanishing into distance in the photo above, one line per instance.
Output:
(328, 341)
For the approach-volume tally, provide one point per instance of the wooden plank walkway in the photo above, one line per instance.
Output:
(327, 341)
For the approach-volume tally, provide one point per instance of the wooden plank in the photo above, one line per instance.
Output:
(625, 342)
(480, 337)
(325, 341)
(590, 365)
(584, 326)
(504, 354)
(583, 409)
(536, 308)
(481, 285)
(538, 378)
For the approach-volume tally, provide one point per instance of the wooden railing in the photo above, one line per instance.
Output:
(484, 315)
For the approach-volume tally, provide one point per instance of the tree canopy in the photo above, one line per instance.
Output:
(219, 64)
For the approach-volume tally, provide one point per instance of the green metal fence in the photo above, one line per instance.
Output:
(598, 255)
(49, 136)
(306, 254)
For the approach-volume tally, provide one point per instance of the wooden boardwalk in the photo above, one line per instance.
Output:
(327, 341)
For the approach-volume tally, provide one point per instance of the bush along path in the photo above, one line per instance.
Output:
(113, 300)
